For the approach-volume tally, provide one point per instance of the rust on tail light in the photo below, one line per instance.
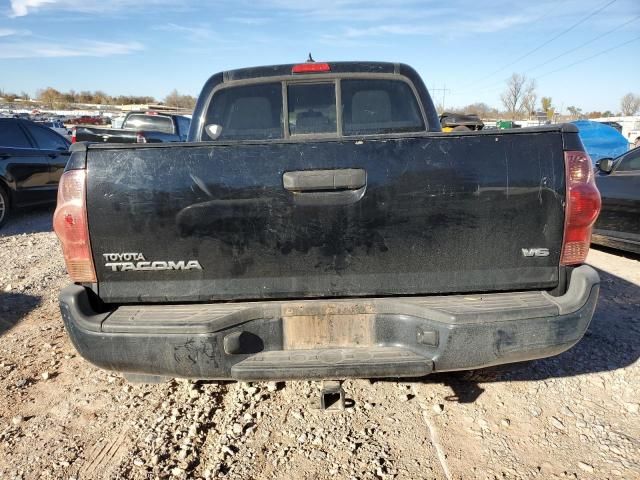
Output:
(582, 207)
(72, 228)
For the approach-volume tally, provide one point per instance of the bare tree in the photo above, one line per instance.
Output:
(479, 108)
(50, 97)
(530, 98)
(518, 95)
(9, 97)
(575, 112)
(630, 104)
(175, 99)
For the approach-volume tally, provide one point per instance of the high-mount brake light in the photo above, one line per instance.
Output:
(72, 228)
(311, 67)
(582, 207)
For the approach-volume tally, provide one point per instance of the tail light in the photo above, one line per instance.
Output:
(311, 67)
(73, 135)
(71, 226)
(582, 207)
(140, 138)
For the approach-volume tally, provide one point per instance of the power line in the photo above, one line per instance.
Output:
(584, 44)
(590, 57)
(490, 87)
(547, 42)
(564, 67)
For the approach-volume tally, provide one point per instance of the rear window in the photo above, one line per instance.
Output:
(46, 138)
(253, 112)
(312, 108)
(11, 135)
(154, 123)
(379, 106)
(368, 107)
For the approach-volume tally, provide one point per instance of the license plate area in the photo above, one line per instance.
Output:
(327, 325)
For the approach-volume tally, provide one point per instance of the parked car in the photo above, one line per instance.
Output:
(32, 159)
(619, 183)
(319, 225)
(138, 127)
(88, 120)
(57, 126)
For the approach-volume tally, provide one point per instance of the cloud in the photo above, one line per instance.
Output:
(357, 11)
(450, 28)
(246, 20)
(11, 32)
(81, 48)
(496, 24)
(20, 8)
(195, 33)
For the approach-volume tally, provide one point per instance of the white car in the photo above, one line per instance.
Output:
(58, 127)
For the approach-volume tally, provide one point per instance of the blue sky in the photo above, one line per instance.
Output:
(149, 47)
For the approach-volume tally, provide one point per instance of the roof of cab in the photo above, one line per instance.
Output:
(336, 67)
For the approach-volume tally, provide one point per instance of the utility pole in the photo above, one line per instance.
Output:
(444, 91)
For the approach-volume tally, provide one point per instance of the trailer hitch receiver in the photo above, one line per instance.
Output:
(332, 395)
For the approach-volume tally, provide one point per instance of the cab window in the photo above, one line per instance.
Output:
(252, 112)
(372, 106)
(312, 108)
(368, 107)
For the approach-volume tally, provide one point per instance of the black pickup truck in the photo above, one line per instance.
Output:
(319, 225)
(138, 127)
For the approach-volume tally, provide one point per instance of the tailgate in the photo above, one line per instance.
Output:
(401, 216)
(104, 135)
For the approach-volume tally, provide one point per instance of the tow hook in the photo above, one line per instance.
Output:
(332, 395)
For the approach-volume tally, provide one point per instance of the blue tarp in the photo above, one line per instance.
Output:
(601, 140)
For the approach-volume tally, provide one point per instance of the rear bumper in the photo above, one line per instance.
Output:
(316, 339)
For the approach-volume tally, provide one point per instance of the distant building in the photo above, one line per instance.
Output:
(153, 108)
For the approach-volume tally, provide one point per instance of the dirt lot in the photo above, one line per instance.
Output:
(572, 416)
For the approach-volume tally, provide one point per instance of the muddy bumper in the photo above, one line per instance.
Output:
(331, 339)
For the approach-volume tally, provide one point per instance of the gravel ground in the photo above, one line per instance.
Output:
(571, 416)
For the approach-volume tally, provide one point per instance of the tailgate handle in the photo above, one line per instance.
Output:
(325, 180)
